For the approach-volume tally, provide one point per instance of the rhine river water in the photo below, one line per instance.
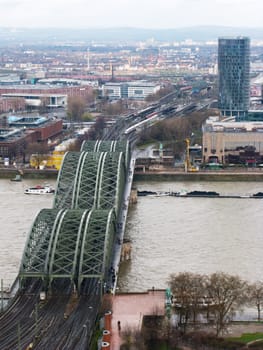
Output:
(168, 234)
(204, 235)
(17, 213)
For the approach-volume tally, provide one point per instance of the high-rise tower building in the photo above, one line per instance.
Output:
(233, 69)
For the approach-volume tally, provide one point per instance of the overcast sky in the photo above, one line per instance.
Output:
(130, 13)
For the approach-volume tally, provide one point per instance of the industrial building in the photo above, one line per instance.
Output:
(231, 142)
(234, 79)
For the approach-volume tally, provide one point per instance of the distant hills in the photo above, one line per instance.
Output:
(47, 36)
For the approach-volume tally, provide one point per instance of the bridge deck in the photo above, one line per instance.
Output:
(116, 257)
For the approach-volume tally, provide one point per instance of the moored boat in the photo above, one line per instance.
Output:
(202, 194)
(146, 193)
(258, 195)
(17, 178)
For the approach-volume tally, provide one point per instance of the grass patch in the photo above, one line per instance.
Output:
(247, 337)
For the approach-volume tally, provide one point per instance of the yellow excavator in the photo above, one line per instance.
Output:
(188, 166)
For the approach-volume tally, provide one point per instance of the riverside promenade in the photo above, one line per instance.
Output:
(129, 310)
(10, 172)
(173, 174)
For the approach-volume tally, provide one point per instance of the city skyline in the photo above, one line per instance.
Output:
(156, 14)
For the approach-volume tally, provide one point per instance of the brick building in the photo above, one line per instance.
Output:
(17, 134)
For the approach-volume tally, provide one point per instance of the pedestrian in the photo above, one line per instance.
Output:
(119, 326)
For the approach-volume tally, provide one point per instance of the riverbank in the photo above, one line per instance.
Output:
(206, 175)
(28, 173)
(153, 175)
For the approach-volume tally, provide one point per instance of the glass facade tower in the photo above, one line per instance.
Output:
(234, 80)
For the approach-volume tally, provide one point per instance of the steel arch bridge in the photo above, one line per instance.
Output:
(91, 180)
(74, 240)
(108, 146)
(73, 244)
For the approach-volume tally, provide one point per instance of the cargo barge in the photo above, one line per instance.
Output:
(199, 194)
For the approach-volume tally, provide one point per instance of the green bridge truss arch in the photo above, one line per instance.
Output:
(75, 239)
(73, 244)
(108, 146)
(91, 180)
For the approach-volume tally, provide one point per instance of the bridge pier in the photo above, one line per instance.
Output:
(126, 251)
(133, 196)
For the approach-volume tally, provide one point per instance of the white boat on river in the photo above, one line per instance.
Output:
(40, 189)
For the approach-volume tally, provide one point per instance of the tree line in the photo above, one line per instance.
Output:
(217, 297)
(172, 132)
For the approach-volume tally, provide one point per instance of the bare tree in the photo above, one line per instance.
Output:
(177, 129)
(132, 338)
(76, 108)
(227, 293)
(73, 146)
(161, 93)
(44, 102)
(113, 108)
(97, 130)
(255, 296)
(17, 103)
(188, 289)
(91, 96)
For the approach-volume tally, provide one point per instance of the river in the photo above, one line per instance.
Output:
(204, 235)
(168, 234)
(17, 213)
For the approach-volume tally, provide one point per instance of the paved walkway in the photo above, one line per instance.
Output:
(129, 309)
(236, 330)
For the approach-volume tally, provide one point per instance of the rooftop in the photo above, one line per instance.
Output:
(26, 121)
(7, 134)
(213, 124)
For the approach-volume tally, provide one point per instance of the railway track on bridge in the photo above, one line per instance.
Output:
(30, 321)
